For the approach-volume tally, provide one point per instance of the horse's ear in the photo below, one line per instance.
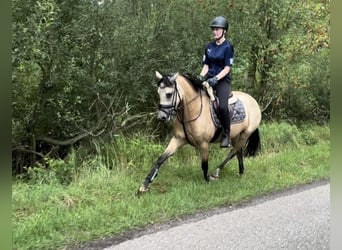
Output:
(174, 77)
(158, 75)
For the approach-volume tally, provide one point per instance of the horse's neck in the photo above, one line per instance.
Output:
(188, 93)
(191, 101)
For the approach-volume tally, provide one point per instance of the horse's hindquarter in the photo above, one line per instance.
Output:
(253, 112)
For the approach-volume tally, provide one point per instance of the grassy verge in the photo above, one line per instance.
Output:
(92, 196)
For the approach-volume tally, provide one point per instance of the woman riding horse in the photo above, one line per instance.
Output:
(193, 124)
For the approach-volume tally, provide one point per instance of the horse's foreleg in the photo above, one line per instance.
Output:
(204, 149)
(154, 172)
(174, 144)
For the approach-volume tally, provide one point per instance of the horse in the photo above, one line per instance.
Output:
(184, 100)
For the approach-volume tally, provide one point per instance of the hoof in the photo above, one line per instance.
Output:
(214, 177)
(207, 179)
(142, 190)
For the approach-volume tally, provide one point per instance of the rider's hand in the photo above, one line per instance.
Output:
(212, 81)
(200, 78)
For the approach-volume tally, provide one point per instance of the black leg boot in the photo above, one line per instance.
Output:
(225, 142)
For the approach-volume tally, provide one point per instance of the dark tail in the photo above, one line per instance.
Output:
(253, 144)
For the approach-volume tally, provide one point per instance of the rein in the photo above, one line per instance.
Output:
(181, 119)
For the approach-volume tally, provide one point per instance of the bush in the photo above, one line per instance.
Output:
(55, 171)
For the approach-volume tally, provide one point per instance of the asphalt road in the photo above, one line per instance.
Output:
(295, 219)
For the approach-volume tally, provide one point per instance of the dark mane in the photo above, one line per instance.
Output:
(195, 82)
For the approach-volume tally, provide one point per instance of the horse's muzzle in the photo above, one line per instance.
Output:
(165, 112)
(163, 116)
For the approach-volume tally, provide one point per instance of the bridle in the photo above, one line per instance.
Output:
(172, 109)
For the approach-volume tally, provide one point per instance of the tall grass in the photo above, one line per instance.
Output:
(92, 195)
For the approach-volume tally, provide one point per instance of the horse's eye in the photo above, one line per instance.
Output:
(168, 95)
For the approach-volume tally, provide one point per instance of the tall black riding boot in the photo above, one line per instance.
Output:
(225, 122)
(225, 142)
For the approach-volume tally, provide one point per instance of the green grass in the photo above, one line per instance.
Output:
(90, 196)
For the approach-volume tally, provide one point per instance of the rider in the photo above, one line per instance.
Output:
(217, 63)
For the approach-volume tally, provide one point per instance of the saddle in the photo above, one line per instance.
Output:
(237, 111)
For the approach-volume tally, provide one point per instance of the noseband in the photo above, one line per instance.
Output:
(169, 110)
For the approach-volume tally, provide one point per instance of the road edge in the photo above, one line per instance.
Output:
(150, 229)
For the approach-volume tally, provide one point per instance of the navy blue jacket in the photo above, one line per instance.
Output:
(217, 57)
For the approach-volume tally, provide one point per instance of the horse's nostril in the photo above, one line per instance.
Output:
(162, 118)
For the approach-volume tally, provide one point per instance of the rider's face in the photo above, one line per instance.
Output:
(217, 32)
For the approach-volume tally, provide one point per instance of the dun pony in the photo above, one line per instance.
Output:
(183, 99)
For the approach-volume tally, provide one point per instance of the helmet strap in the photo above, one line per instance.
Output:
(223, 33)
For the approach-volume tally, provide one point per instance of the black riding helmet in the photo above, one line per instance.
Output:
(219, 22)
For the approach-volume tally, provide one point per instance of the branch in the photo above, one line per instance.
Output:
(268, 104)
(65, 142)
(75, 139)
(133, 118)
(23, 149)
(111, 112)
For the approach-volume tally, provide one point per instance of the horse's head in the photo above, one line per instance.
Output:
(168, 96)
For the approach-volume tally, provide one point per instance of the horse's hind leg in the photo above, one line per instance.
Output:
(238, 143)
(216, 174)
(239, 155)
(241, 145)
